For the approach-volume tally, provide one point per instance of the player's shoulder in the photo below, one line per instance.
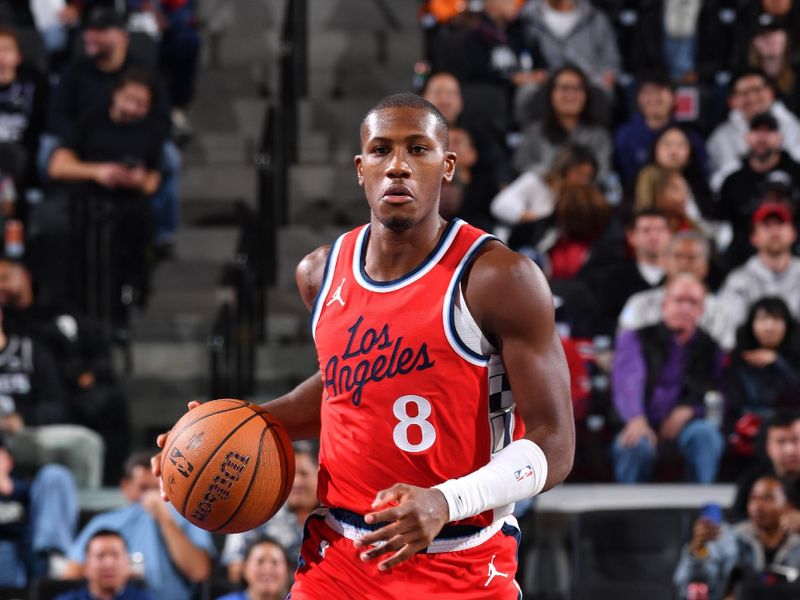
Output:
(499, 273)
(310, 272)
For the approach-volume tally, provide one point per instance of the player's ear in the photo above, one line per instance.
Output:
(359, 169)
(449, 166)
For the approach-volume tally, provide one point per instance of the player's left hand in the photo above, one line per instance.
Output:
(415, 517)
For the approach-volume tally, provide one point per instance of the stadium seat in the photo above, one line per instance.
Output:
(628, 546)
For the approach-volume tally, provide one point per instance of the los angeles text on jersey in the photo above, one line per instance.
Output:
(367, 358)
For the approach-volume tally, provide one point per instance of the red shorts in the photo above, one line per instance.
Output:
(330, 568)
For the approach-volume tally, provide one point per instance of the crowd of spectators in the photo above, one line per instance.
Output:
(93, 101)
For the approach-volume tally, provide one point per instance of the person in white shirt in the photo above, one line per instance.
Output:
(688, 252)
(773, 271)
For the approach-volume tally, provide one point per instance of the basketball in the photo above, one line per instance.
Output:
(227, 466)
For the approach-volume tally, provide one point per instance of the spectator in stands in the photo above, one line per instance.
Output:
(22, 106)
(567, 119)
(574, 32)
(741, 193)
(116, 150)
(751, 93)
(176, 554)
(457, 195)
(688, 252)
(82, 354)
(764, 374)
(672, 151)
(773, 271)
(681, 21)
(107, 571)
(286, 527)
(563, 243)
(265, 571)
(496, 51)
(491, 166)
(770, 51)
(36, 417)
(531, 196)
(746, 552)
(37, 519)
(635, 139)
(779, 450)
(87, 85)
(611, 285)
(659, 378)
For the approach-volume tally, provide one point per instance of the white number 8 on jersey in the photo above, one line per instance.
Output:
(400, 434)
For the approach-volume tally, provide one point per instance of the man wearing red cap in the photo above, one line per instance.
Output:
(773, 271)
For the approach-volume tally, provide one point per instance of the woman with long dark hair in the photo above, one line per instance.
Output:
(567, 119)
(764, 374)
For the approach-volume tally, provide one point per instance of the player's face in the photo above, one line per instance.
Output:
(402, 165)
(266, 571)
(304, 490)
(107, 567)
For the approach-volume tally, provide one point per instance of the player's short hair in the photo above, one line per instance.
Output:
(408, 100)
(105, 533)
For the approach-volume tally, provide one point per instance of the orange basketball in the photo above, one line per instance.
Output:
(227, 466)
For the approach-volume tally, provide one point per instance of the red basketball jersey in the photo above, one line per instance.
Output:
(412, 392)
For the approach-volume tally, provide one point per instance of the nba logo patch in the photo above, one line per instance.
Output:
(523, 473)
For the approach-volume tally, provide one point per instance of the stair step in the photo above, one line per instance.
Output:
(224, 181)
(206, 244)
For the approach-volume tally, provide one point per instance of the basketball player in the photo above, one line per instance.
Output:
(443, 391)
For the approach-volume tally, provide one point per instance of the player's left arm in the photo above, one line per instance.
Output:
(511, 301)
(509, 298)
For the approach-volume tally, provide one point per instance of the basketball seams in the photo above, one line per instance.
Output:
(175, 435)
(211, 456)
(250, 484)
(283, 459)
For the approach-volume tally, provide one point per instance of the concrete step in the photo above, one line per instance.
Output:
(295, 242)
(214, 245)
(223, 182)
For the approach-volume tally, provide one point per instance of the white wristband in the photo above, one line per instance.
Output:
(518, 471)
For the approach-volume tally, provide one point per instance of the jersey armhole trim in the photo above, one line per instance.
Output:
(327, 279)
(458, 345)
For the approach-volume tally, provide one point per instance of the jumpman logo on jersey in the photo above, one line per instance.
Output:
(337, 295)
(493, 572)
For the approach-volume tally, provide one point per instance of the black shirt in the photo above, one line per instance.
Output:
(97, 138)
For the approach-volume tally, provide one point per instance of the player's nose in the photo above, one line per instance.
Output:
(397, 166)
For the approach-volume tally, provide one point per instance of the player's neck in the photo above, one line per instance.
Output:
(392, 254)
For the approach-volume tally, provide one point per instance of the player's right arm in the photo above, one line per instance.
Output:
(299, 409)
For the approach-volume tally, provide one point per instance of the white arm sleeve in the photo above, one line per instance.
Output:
(518, 471)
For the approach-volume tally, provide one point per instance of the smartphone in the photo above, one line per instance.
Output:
(711, 512)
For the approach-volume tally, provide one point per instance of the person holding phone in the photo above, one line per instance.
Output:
(723, 555)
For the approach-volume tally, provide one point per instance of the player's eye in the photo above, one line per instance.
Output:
(380, 150)
(418, 149)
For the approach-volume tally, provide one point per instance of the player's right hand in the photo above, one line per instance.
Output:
(155, 460)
